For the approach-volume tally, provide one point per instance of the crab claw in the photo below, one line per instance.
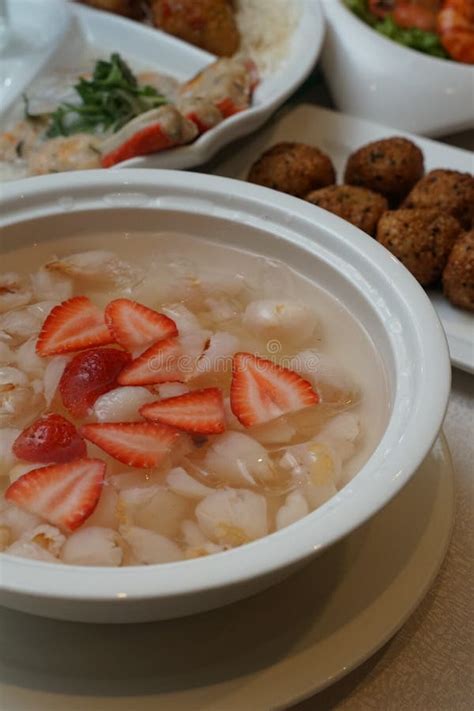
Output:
(150, 132)
(227, 83)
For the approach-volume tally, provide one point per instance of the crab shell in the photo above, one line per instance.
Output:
(150, 132)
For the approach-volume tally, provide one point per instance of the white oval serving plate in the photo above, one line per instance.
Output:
(34, 33)
(96, 34)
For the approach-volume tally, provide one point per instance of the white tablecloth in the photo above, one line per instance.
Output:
(428, 666)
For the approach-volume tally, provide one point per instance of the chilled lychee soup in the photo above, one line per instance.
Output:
(164, 398)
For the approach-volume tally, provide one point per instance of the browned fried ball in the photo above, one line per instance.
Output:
(390, 167)
(447, 190)
(128, 8)
(293, 168)
(360, 206)
(209, 24)
(458, 275)
(421, 239)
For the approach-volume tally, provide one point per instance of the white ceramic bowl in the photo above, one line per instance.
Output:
(376, 78)
(356, 269)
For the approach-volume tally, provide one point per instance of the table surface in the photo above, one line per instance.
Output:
(428, 665)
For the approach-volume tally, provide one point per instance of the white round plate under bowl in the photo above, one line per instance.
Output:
(269, 651)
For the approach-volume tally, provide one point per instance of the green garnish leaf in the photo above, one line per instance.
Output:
(421, 40)
(108, 101)
(361, 9)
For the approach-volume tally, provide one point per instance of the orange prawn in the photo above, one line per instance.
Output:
(456, 29)
(408, 13)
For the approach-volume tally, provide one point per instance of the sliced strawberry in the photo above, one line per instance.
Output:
(63, 494)
(89, 375)
(72, 326)
(162, 363)
(50, 438)
(136, 444)
(134, 325)
(261, 391)
(200, 411)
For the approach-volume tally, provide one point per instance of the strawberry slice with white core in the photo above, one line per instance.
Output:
(262, 391)
(63, 494)
(136, 444)
(200, 411)
(71, 326)
(163, 362)
(136, 326)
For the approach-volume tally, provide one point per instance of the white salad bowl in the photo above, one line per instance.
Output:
(373, 77)
(340, 259)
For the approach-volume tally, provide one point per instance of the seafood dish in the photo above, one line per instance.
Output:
(156, 409)
(420, 218)
(261, 28)
(111, 115)
(267, 67)
(440, 28)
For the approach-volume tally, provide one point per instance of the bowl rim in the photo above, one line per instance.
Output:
(448, 65)
(269, 211)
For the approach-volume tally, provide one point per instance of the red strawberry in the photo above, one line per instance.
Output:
(72, 326)
(89, 375)
(136, 444)
(63, 494)
(50, 438)
(262, 391)
(201, 411)
(134, 325)
(162, 363)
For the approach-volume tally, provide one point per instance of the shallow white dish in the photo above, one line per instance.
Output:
(97, 34)
(339, 135)
(351, 266)
(336, 611)
(35, 31)
(373, 77)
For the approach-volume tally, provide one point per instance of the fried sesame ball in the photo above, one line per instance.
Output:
(421, 239)
(458, 274)
(450, 191)
(390, 167)
(209, 24)
(293, 168)
(362, 207)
